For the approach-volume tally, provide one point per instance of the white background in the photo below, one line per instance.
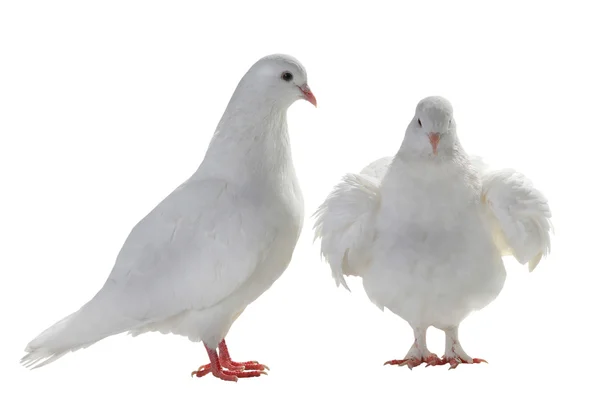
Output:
(105, 107)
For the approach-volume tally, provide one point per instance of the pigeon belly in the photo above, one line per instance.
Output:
(434, 260)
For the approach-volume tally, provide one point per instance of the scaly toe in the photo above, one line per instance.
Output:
(200, 372)
(244, 366)
(456, 361)
(230, 376)
(254, 366)
(245, 374)
(232, 366)
(409, 362)
(433, 360)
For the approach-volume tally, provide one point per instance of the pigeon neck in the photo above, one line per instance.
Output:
(250, 145)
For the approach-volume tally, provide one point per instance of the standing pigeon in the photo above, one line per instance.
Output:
(215, 244)
(426, 230)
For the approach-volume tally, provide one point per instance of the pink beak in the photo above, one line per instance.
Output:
(308, 95)
(434, 139)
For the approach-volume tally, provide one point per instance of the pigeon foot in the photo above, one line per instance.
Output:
(224, 368)
(412, 362)
(456, 361)
(455, 354)
(225, 374)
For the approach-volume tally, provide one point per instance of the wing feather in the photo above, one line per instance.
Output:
(345, 223)
(520, 215)
(195, 249)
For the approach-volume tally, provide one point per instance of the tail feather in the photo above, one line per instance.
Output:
(50, 345)
(92, 323)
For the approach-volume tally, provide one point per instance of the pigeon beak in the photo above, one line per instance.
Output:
(308, 95)
(434, 139)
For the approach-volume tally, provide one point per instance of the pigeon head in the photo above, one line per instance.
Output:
(432, 130)
(279, 79)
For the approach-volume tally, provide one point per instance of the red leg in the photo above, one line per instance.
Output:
(217, 369)
(226, 361)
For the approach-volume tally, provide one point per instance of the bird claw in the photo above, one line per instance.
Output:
(430, 360)
(228, 375)
(200, 372)
(256, 366)
(456, 361)
(409, 362)
(244, 366)
(223, 367)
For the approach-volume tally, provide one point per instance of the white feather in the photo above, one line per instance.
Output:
(216, 243)
(378, 168)
(520, 215)
(345, 221)
(419, 235)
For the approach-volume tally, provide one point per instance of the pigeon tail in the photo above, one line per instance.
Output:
(79, 330)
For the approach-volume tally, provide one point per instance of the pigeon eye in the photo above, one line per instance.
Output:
(419, 121)
(287, 76)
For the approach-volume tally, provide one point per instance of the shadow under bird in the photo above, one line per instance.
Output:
(426, 231)
(215, 244)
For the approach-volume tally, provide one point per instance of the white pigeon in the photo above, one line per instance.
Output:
(426, 231)
(215, 244)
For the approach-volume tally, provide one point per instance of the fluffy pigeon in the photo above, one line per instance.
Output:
(215, 244)
(426, 231)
